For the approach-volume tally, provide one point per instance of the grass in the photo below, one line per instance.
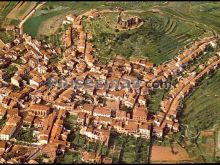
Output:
(70, 121)
(32, 25)
(25, 135)
(51, 9)
(69, 158)
(159, 39)
(6, 37)
(155, 99)
(10, 71)
(127, 149)
(203, 105)
(4, 12)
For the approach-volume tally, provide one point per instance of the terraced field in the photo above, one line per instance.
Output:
(203, 105)
(160, 38)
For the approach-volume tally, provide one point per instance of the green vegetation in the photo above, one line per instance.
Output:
(7, 37)
(149, 41)
(7, 8)
(203, 105)
(155, 98)
(127, 149)
(68, 158)
(2, 122)
(78, 141)
(70, 122)
(25, 135)
(32, 25)
(14, 22)
(10, 71)
(18, 61)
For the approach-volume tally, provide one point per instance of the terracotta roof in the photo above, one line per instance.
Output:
(39, 107)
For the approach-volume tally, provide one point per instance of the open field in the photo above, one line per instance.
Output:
(163, 154)
(6, 7)
(203, 105)
(51, 9)
(21, 10)
(14, 12)
(32, 25)
(166, 34)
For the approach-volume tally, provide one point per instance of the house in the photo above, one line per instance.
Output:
(107, 160)
(144, 130)
(48, 123)
(12, 112)
(121, 115)
(28, 120)
(102, 111)
(139, 113)
(39, 110)
(89, 132)
(115, 95)
(36, 81)
(41, 69)
(3, 112)
(11, 125)
(104, 136)
(118, 126)
(87, 108)
(81, 118)
(130, 101)
(70, 18)
(103, 120)
(90, 157)
(16, 80)
(158, 131)
(175, 127)
(131, 127)
(2, 147)
(113, 105)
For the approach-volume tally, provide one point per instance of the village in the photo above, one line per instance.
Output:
(28, 98)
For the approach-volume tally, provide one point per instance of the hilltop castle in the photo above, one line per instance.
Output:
(128, 21)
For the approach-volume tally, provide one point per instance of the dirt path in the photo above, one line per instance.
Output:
(20, 26)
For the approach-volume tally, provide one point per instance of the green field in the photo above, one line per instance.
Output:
(6, 7)
(201, 109)
(32, 25)
(160, 38)
(155, 99)
(51, 9)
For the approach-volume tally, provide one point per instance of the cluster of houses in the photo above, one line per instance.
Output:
(30, 99)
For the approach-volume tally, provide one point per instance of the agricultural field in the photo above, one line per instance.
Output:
(163, 35)
(149, 41)
(12, 12)
(5, 8)
(203, 105)
(168, 154)
(48, 18)
(158, 28)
